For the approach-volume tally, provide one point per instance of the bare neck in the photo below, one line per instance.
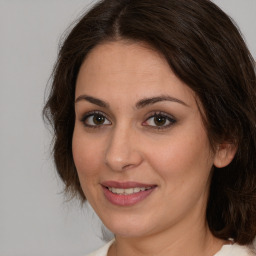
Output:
(193, 241)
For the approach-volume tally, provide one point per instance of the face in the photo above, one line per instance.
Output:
(139, 145)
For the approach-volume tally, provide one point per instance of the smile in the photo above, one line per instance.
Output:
(127, 191)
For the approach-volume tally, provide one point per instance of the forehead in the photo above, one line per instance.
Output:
(129, 69)
(124, 57)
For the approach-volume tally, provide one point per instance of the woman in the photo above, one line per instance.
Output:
(153, 105)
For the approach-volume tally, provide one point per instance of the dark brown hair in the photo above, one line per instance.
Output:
(206, 51)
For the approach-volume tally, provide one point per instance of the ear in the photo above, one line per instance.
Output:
(224, 154)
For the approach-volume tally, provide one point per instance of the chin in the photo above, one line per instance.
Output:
(127, 226)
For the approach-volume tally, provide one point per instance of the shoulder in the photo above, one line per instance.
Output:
(103, 251)
(236, 250)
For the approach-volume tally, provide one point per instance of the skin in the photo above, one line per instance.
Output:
(130, 146)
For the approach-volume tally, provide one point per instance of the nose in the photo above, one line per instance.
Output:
(122, 151)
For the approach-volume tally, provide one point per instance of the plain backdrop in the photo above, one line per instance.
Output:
(35, 219)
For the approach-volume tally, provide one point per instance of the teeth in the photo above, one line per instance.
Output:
(127, 191)
(136, 190)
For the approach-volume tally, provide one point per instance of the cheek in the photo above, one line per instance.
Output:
(87, 156)
(86, 153)
(184, 168)
(183, 158)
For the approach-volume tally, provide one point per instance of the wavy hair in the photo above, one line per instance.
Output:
(206, 51)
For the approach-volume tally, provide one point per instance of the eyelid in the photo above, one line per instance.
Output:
(153, 114)
(169, 117)
(91, 113)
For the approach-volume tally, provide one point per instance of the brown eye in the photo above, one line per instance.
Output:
(160, 120)
(98, 119)
(95, 119)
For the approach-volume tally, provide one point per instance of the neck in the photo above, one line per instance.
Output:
(191, 241)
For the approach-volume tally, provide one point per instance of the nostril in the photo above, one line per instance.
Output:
(126, 166)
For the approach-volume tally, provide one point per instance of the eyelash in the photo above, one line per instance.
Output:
(167, 117)
(160, 114)
(93, 114)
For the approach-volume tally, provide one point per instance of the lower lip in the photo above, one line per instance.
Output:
(126, 200)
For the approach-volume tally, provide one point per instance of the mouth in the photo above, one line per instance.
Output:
(126, 193)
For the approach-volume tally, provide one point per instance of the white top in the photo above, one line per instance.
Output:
(226, 250)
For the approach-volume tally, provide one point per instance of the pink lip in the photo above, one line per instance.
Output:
(128, 184)
(126, 200)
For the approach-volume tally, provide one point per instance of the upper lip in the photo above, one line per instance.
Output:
(127, 184)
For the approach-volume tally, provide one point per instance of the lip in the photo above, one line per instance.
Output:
(126, 200)
(127, 184)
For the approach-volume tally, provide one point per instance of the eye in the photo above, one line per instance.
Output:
(159, 121)
(95, 120)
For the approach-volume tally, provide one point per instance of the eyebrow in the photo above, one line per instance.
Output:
(92, 100)
(140, 104)
(149, 101)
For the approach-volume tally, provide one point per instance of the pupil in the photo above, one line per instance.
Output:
(98, 119)
(160, 120)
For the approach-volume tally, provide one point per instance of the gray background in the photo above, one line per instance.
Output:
(35, 220)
